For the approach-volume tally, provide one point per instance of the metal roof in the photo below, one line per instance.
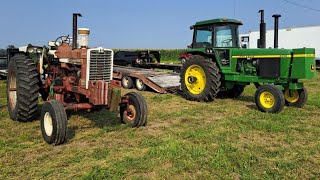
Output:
(218, 21)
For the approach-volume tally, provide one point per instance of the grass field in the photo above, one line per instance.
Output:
(227, 139)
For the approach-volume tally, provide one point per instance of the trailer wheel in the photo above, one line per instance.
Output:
(296, 98)
(135, 112)
(269, 98)
(200, 79)
(127, 82)
(235, 92)
(22, 88)
(53, 123)
(140, 85)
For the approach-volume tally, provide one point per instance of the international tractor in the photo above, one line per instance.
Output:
(218, 66)
(68, 76)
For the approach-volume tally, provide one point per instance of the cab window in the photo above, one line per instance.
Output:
(203, 38)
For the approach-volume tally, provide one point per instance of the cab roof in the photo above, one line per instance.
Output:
(218, 21)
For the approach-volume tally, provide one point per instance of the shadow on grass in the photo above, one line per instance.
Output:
(102, 119)
(252, 106)
(246, 99)
(3, 107)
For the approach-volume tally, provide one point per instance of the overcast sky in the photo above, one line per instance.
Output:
(139, 23)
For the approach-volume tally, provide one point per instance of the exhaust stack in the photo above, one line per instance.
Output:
(276, 30)
(262, 40)
(74, 30)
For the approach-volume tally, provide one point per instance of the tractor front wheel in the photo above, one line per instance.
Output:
(296, 98)
(134, 110)
(200, 79)
(53, 123)
(269, 98)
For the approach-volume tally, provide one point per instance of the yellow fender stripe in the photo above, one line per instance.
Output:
(275, 56)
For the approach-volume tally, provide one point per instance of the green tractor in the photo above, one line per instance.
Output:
(218, 66)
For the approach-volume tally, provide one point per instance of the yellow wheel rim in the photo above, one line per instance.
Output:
(195, 79)
(267, 100)
(291, 97)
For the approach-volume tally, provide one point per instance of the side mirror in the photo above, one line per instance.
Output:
(190, 46)
(191, 27)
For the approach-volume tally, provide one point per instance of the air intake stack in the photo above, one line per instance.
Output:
(74, 30)
(276, 30)
(262, 40)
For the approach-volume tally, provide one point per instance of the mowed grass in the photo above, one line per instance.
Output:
(227, 139)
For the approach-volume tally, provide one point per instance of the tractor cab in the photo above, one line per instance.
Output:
(216, 33)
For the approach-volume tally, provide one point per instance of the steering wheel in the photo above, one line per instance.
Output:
(226, 41)
(62, 39)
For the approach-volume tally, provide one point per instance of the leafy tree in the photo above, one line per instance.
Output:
(3, 52)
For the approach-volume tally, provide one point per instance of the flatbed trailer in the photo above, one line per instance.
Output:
(175, 67)
(3, 74)
(3, 67)
(161, 82)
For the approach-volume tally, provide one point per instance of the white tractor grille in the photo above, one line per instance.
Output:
(100, 64)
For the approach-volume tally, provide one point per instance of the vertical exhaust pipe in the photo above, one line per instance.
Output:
(276, 30)
(75, 30)
(262, 40)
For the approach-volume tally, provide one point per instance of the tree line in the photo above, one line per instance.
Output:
(3, 52)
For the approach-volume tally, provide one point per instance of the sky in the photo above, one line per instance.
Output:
(139, 23)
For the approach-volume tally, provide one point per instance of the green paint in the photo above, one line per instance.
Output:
(243, 64)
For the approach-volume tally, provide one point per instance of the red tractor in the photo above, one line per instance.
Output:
(72, 78)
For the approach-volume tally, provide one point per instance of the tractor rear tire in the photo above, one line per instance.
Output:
(127, 82)
(54, 123)
(200, 79)
(299, 101)
(235, 92)
(269, 98)
(22, 88)
(137, 116)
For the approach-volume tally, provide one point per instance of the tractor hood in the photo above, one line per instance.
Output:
(301, 61)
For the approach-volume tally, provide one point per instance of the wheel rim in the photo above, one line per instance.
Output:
(195, 79)
(48, 127)
(139, 84)
(125, 81)
(292, 96)
(12, 90)
(131, 114)
(267, 100)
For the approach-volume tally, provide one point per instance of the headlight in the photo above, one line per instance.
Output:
(30, 50)
(34, 50)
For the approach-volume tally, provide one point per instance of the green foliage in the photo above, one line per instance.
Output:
(167, 55)
(170, 54)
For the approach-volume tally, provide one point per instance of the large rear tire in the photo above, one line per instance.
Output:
(22, 88)
(135, 112)
(53, 123)
(200, 79)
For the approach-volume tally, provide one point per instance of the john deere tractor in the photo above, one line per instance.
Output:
(218, 66)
